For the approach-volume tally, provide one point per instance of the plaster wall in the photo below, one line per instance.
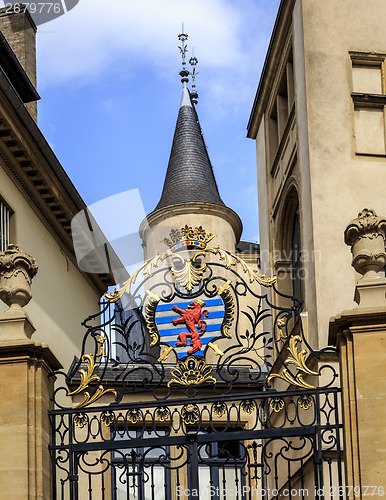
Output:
(316, 337)
(341, 183)
(61, 295)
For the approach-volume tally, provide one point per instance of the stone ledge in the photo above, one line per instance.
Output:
(20, 350)
(367, 318)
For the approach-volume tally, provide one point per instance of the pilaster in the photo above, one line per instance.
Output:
(25, 392)
(25, 388)
(360, 335)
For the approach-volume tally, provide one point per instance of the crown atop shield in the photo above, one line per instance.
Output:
(187, 237)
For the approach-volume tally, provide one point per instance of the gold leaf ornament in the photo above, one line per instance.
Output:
(305, 402)
(150, 310)
(191, 372)
(86, 378)
(134, 416)
(248, 406)
(80, 420)
(219, 409)
(299, 360)
(277, 404)
(227, 298)
(189, 276)
(190, 413)
(162, 413)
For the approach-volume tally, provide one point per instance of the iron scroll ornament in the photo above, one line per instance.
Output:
(255, 331)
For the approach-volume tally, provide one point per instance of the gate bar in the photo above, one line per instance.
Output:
(246, 435)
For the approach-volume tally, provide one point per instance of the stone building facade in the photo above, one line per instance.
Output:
(318, 121)
(319, 124)
(37, 204)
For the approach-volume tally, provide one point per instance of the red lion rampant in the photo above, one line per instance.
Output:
(191, 317)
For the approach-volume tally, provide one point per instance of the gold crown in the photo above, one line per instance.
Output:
(187, 237)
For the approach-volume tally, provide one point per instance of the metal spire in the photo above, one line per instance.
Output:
(184, 73)
(193, 61)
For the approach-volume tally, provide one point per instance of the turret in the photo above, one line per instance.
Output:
(190, 195)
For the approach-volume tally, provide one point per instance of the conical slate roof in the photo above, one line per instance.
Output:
(189, 177)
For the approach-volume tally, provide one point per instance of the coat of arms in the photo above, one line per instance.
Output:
(191, 317)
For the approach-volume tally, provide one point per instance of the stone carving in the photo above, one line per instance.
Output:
(366, 235)
(17, 269)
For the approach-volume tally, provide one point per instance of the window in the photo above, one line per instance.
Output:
(156, 471)
(5, 216)
(368, 94)
(142, 473)
(296, 257)
(280, 111)
(219, 470)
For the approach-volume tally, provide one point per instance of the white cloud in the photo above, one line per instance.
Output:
(95, 34)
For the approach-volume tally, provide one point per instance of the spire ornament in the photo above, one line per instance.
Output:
(193, 61)
(184, 73)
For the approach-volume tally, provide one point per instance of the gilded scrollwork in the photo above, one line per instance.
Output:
(299, 360)
(86, 378)
(150, 310)
(187, 274)
(227, 298)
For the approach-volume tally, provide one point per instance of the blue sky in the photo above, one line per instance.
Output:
(108, 78)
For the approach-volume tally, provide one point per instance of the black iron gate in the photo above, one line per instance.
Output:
(205, 391)
(262, 447)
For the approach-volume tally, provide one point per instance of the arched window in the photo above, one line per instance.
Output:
(296, 258)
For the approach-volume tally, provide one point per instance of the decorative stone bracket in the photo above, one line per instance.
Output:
(366, 235)
(17, 270)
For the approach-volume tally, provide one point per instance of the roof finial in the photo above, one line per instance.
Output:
(193, 61)
(182, 37)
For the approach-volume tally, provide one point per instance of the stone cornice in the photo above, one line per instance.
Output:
(20, 351)
(28, 168)
(361, 319)
(157, 216)
(272, 60)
